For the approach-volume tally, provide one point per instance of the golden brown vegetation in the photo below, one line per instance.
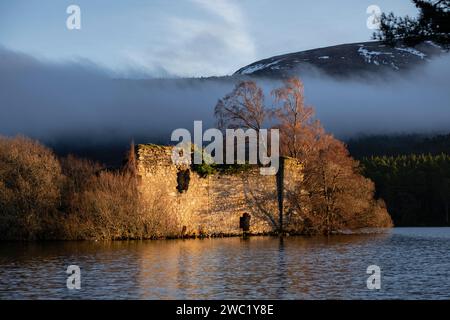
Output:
(333, 195)
(30, 182)
(44, 198)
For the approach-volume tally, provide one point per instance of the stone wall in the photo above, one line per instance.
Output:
(212, 205)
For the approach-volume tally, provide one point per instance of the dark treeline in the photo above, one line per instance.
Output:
(411, 173)
(394, 145)
(416, 188)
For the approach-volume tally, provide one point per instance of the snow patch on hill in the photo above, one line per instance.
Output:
(369, 56)
(413, 51)
(260, 66)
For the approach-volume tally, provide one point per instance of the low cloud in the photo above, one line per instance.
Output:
(81, 103)
(417, 101)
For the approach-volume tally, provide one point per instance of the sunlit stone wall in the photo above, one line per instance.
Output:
(212, 205)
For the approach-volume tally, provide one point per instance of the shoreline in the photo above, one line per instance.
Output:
(219, 236)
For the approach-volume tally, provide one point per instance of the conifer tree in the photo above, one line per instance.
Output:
(432, 23)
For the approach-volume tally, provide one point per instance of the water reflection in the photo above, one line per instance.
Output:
(415, 265)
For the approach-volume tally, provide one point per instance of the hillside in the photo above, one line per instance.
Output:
(346, 60)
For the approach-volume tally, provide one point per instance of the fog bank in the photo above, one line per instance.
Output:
(81, 103)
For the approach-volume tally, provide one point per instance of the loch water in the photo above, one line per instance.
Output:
(414, 264)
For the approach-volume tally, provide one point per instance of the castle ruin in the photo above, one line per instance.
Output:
(215, 205)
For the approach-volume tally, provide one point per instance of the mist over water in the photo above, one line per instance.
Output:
(79, 103)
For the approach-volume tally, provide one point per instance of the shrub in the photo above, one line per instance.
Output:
(73, 199)
(30, 181)
(106, 205)
(106, 208)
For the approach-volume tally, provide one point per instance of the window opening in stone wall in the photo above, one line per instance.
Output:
(183, 177)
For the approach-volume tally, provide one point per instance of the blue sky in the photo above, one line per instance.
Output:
(183, 37)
